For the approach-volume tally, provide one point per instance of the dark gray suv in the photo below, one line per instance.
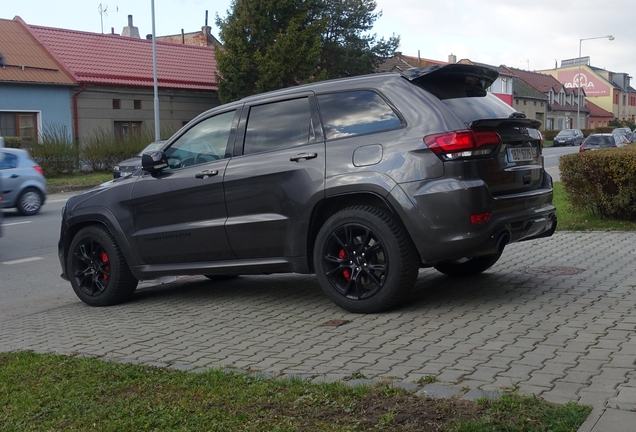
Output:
(361, 181)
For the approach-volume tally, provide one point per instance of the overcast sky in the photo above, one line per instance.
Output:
(529, 35)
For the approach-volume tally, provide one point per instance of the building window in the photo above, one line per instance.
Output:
(19, 124)
(616, 99)
(524, 102)
(137, 104)
(116, 103)
(517, 102)
(624, 99)
(125, 130)
(535, 103)
(504, 85)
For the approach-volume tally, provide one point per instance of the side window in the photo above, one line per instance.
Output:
(278, 125)
(355, 113)
(202, 143)
(9, 161)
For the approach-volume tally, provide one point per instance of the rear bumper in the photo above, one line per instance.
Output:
(438, 219)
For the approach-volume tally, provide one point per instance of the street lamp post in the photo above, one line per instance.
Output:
(578, 86)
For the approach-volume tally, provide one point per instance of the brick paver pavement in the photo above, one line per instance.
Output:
(523, 324)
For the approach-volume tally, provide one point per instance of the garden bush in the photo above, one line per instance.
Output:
(602, 181)
(55, 151)
(13, 142)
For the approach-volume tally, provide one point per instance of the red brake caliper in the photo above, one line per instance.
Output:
(104, 258)
(346, 273)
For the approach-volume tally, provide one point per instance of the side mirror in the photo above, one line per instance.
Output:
(154, 161)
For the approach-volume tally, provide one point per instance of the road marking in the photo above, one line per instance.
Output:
(16, 223)
(23, 260)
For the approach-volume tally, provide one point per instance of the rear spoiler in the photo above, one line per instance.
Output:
(476, 76)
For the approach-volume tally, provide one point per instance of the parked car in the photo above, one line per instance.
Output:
(599, 141)
(360, 180)
(622, 131)
(132, 164)
(23, 182)
(568, 137)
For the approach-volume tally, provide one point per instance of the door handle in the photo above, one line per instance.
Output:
(206, 173)
(14, 176)
(303, 157)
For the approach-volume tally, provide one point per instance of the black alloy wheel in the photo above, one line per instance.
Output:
(364, 261)
(97, 268)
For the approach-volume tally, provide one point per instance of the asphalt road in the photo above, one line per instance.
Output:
(551, 157)
(29, 268)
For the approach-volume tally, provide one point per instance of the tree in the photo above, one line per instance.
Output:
(271, 44)
(268, 44)
(347, 48)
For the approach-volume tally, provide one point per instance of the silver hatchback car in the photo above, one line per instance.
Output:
(23, 182)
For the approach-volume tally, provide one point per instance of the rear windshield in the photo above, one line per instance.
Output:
(601, 141)
(470, 109)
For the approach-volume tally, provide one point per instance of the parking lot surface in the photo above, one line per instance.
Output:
(554, 317)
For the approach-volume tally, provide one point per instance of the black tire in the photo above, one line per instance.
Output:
(97, 269)
(29, 202)
(364, 260)
(468, 266)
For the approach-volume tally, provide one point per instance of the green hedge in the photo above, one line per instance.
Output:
(602, 181)
(13, 142)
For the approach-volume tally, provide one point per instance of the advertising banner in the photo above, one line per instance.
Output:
(592, 84)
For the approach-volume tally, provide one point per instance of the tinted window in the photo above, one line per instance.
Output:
(204, 142)
(470, 109)
(278, 125)
(356, 113)
(601, 141)
(9, 161)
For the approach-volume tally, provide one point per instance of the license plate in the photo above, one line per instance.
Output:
(520, 154)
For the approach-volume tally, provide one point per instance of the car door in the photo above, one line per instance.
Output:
(10, 178)
(179, 214)
(275, 178)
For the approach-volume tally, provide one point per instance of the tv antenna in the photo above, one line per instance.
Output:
(103, 10)
(527, 62)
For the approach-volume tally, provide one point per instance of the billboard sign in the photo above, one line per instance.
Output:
(590, 82)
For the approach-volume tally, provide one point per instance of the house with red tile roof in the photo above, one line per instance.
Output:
(599, 117)
(115, 79)
(562, 100)
(35, 89)
(400, 62)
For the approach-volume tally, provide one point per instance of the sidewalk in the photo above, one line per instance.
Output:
(554, 317)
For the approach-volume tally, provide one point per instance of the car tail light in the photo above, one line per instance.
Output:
(39, 169)
(460, 144)
(479, 218)
(581, 149)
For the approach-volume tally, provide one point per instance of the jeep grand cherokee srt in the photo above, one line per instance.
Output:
(361, 181)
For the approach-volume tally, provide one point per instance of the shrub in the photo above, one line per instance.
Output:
(602, 181)
(13, 142)
(55, 151)
(102, 149)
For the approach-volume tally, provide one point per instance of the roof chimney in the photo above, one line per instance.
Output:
(130, 30)
(452, 58)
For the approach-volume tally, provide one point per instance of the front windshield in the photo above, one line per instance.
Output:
(566, 133)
